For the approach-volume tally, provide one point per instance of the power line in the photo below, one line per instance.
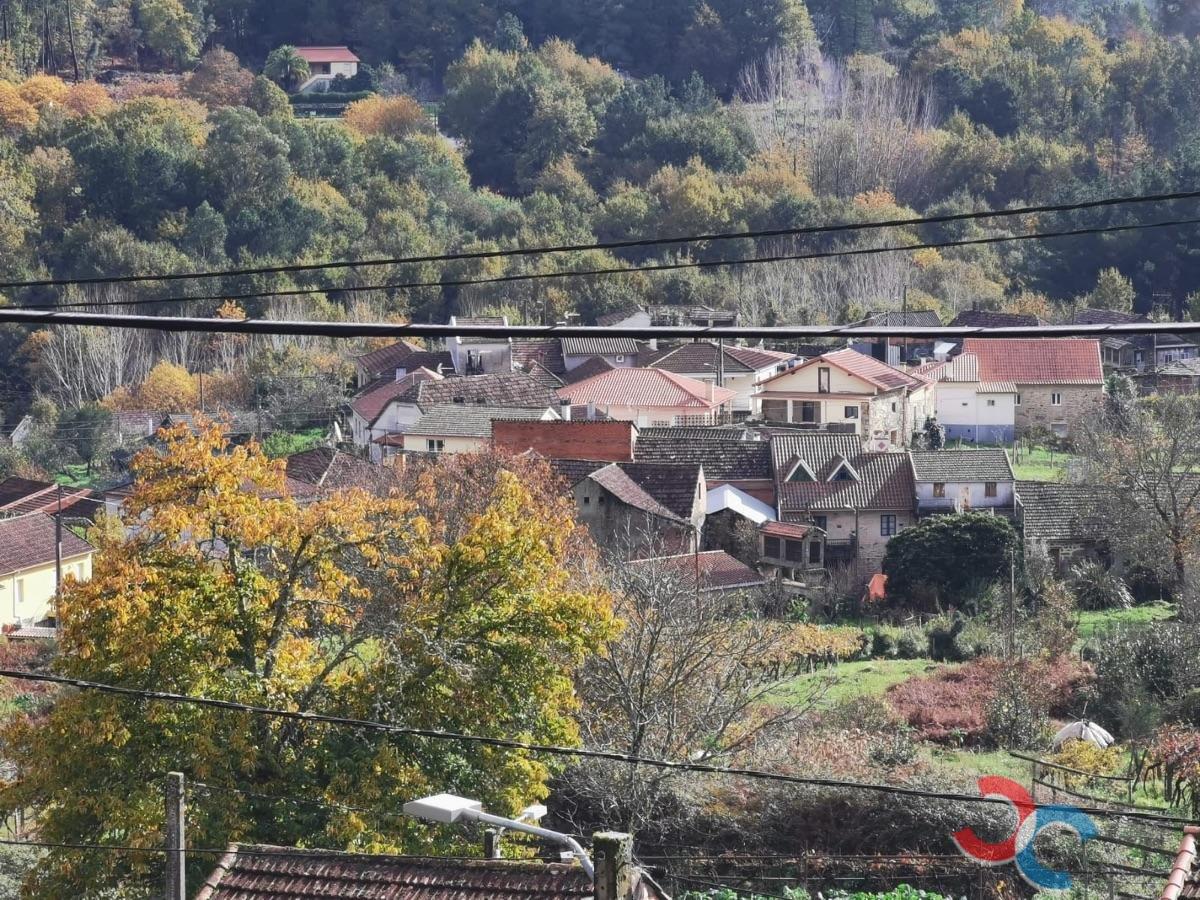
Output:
(546, 749)
(627, 270)
(615, 245)
(402, 330)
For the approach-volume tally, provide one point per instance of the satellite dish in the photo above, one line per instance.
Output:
(1083, 730)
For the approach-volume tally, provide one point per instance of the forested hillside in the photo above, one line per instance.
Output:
(574, 122)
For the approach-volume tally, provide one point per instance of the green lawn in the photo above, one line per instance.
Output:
(76, 476)
(866, 678)
(1040, 464)
(973, 763)
(1092, 622)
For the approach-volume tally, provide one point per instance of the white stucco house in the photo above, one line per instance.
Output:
(325, 64)
(961, 480)
(969, 408)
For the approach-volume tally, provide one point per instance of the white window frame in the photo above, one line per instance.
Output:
(435, 445)
(1056, 399)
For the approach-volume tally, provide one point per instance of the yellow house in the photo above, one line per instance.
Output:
(27, 566)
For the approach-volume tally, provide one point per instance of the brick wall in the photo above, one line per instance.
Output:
(1037, 409)
(606, 441)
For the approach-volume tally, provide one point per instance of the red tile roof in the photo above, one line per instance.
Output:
(376, 397)
(869, 369)
(1038, 360)
(546, 352)
(884, 482)
(276, 873)
(25, 495)
(326, 54)
(646, 387)
(785, 529)
(718, 570)
(28, 541)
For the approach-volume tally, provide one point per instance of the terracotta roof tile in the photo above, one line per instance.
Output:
(326, 54)
(718, 570)
(885, 480)
(988, 464)
(645, 387)
(29, 541)
(546, 352)
(871, 370)
(597, 365)
(19, 496)
(372, 400)
(990, 318)
(291, 875)
(332, 469)
(515, 389)
(460, 420)
(1038, 360)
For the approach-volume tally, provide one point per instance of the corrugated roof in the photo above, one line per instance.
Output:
(721, 459)
(599, 346)
(1061, 512)
(1038, 360)
(646, 387)
(277, 873)
(718, 570)
(885, 480)
(961, 465)
(455, 420)
(29, 541)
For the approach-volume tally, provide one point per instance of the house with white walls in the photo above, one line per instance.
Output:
(651, 398)
(741, 369)
(948, 481)
(325, 64)
(969, 408)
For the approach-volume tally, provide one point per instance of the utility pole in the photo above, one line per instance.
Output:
(58, 546)
(201, 390)
(176, 878)
(1012, 603)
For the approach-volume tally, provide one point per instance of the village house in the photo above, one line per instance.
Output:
(324, 65)
(896, 351)
(1063, 522)
(28, 570)
(969, 409)
(741, 369)
(1137, 352)
(847, 391)
(617, 352)
(453, 428)
(396, 360)
(651, 397)
(1057, 380)
(632, 507)
(324, 470)
(859, 499)
(743, 465)
(705, 572)
(479, 355)
(20, 496)
(665, 315)
(963, 480)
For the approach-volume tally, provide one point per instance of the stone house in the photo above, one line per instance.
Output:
(632, 508)
(961, 480)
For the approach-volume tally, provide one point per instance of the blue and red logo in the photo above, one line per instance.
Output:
(1032, 820)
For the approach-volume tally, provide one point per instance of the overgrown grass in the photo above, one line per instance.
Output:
(865, 678)
(1029, 463)
(76, 476)
(1092, 623)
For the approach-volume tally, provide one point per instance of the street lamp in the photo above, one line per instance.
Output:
(446, 809)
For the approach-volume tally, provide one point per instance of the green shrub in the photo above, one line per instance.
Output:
(883, 642)
(330, 97)
(1097, 587)
(912, 643)
(943, 633)
(1017, 713)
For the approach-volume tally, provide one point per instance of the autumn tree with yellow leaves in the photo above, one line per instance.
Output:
(462, 615)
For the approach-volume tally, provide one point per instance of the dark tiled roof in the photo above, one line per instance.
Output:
(990, 318)
(480, 320)
(29, 541)
(334, 469)
(546, 352)
(597, 365)
(291, 875)
(722, 459)
(1060, 512)
(618, 315)
(573, 471)
(718, 570)
(885, 479)
(618, 483)
(673, 485)
(386, 359)
(1105, 317)
(599, 347)
(503, 389)
(961, 465)
(372, 400)
(684, 315)
(544, 376)
(913, 318)
(700, 358)
(455, 420)
(701, 432)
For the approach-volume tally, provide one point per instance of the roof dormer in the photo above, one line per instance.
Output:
(843, 471)
(799, 471)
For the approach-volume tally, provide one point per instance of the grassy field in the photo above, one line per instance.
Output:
(866, 678)
(1029, 463)
(1092, 622)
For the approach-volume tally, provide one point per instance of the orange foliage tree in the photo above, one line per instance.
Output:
(394, 117)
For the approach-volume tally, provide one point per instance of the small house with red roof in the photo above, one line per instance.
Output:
(741, 369)
(849, 392)
(1057, 380)
(652, 397)
(325, 64)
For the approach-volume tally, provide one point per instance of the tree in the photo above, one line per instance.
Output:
(463, 617)
(934, 434)
(41, 90)
(219, 80)
(1113, 291)
(394, 117)
(16, 113)
(1147, 454)
(87, 98)
(168, 30)
(287, 67)
(87, 429)
(266, 98)
(170, 388)
(938, 560)
(679, 681)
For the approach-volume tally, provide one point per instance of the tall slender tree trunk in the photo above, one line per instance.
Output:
(71, 40)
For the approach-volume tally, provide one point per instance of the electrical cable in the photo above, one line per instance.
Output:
(623, 270)
(546, 749)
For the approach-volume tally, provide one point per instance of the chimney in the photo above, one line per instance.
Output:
(652, 343)
(564, 410)
(711, 389)
(401, 372)
(612, 855)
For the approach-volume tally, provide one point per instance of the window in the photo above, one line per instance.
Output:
(1018, 399)
(822, 379)
(939, 489)
(991, 403)
(587, 501)
(793, 551)
(801, 473)
(893, 406)
(19, 596)
(600, 499)
(620, 359)
(810, 412)
(989, 489)
(843, 473)
(1056, 399)
(821, 522)
(814, 552)
(771, 548)
(887, 526)
(435, 445)
(851, 412)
